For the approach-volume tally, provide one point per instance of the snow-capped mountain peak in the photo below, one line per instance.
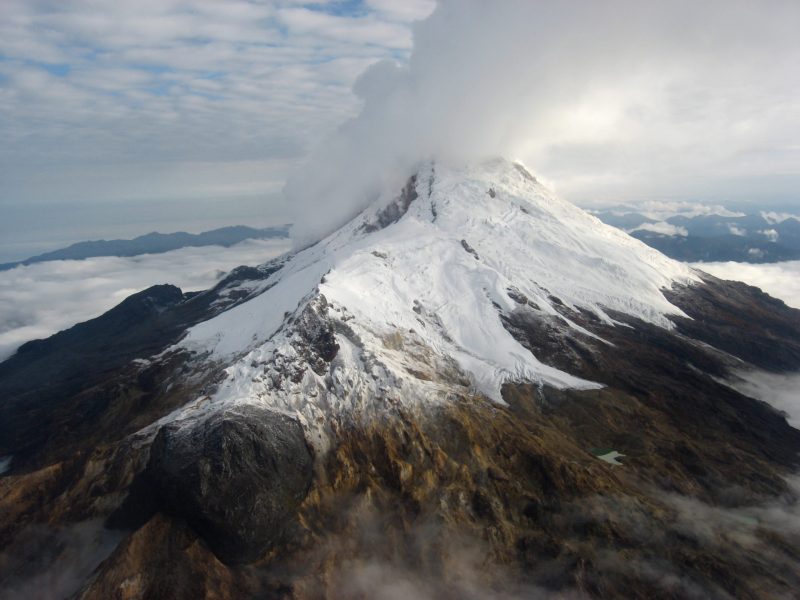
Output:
(415, 286)
(467, 352)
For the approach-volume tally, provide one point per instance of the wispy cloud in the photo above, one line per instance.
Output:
(663, 209)
(780, 390)
(54, 562)
(661, 227)
(673, 100)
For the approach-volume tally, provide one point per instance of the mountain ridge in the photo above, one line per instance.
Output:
(713, 234)
(154, 243)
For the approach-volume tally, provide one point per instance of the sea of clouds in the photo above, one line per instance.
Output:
(39, 300)
(780, 280)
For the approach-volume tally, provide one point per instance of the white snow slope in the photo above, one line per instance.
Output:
(418, 311)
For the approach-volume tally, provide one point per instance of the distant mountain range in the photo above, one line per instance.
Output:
(727, 236)
(155, 243)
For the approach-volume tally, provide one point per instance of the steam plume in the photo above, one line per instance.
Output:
(584, 91)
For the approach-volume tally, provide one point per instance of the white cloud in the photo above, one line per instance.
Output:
(779, 390)
(669, 98)
(774, 218)
(364, 30)
(663, 209)
(39, 300)
(405, 10)
(90, 86)
(770, 234)
(675, 99)
(780, 280)
(734, 230)
(663, 228)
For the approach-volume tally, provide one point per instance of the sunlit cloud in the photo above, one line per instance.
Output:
(674, 99)
(661, 227)
(780, 280)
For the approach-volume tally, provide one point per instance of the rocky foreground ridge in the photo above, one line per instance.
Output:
(472, 390)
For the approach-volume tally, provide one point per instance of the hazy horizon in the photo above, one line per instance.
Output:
(29, 230)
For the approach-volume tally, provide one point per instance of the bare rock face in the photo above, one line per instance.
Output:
(396, 209)
(237, 478)
(317, 342)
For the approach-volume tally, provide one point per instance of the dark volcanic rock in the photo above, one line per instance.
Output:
(741, 320)
(470, 249)
(237, 478)
(395, 209)
(676, 375)
(78, 387)
(317, 344)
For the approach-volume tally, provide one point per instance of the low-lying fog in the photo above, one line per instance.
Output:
(39, 300)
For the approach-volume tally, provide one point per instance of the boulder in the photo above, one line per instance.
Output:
(236, 477)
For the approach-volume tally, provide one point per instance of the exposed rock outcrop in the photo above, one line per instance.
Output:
(392, 212)
(237, 478)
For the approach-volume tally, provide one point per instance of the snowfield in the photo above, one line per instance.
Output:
(416, 303)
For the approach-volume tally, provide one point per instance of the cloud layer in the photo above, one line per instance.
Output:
(39, 300)
(780, 280)
(781, 391)
(175, 98)
(647, 98)
(661, 227)
(163, 98)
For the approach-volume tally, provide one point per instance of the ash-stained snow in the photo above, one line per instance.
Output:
(415, 305)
